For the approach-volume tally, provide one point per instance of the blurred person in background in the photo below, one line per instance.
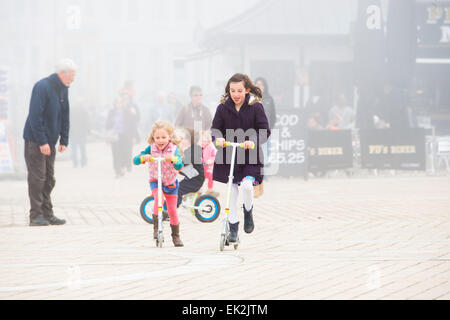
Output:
(173, 101)
(313, 122)
(161, 110)
(333, 124)
(341, 116)
(316, 107)
(192, 156)
(79, 130)
(47, 122)
(208, 156)
(122, 123)
(381, 109)
(128, 89)
(267, 101)
(269, 108)
(194, 113)
(412, 118)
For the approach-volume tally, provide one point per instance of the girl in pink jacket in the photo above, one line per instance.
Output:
(208, 156)
(163, 144)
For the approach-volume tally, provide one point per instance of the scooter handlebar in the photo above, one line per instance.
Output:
(228, 143)
(152, 159)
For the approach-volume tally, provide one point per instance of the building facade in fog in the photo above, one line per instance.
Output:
(296, 45)
(304, 48)
(111, 40)
(307, 48)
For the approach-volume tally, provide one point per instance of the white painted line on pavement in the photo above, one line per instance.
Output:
(358, 259)
(197, 264)
(65, 264)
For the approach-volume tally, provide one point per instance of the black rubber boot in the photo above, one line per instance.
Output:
(233, 236)
(248, 220)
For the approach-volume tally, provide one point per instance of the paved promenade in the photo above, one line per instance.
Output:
(366, 237)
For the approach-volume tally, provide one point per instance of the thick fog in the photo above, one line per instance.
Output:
(314, 55)
(111, 41)
(347, 199)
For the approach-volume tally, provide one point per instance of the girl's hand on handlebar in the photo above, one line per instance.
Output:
(147, 158)
(168, 158)
(220, 142)
(249, 144)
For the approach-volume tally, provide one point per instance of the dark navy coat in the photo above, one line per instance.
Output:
(250, 123)
(48, 117)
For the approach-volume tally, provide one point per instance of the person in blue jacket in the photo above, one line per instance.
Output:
(47, 122)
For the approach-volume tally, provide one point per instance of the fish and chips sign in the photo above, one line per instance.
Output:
(288, 145)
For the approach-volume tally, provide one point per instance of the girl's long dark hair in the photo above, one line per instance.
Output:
(248, 84)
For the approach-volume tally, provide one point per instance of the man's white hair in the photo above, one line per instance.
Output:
(65, 65)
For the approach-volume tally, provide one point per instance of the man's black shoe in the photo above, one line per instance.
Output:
(39, 221)
(56, 221)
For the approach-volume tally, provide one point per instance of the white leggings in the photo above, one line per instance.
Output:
(247, 198)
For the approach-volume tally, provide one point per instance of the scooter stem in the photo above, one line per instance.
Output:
(230, 180)
(160, 203)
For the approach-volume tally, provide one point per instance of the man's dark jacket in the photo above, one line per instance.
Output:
(48, 117)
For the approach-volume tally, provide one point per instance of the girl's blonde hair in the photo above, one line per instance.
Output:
(165, 125)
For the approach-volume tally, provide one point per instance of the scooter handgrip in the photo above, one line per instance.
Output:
(226, 144)
(252, 146)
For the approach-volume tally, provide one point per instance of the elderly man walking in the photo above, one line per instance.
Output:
(47, 122)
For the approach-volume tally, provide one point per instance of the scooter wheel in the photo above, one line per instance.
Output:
(222, 242)
(146, 209)
(235, 246)
(209, 209)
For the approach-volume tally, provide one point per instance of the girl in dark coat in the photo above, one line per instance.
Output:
(240, 118)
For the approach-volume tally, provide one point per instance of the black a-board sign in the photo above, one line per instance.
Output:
(287, 145)
(399, 149)
(329, 150)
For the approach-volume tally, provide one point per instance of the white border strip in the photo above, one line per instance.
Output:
(432, 60)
